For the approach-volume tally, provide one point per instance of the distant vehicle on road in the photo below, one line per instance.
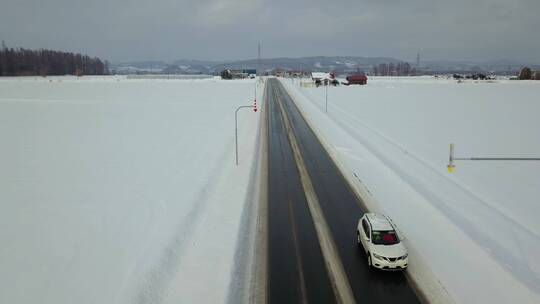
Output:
(377, 235)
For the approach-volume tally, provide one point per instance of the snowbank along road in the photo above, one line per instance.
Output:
(390, 140)
(312, 217)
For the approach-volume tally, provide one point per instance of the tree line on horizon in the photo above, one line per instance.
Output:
(393, 69)
(43, 62)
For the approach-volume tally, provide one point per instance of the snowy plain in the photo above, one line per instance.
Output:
(122, 191)
(476, 231)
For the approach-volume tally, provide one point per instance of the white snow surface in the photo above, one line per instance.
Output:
(121, 191)
(477, 229)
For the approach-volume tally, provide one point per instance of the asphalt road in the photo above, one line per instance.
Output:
(298, 271)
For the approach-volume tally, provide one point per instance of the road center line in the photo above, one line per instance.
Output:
(297, 253)
(336, 272)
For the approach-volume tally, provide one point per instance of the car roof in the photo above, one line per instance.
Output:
(379, 221)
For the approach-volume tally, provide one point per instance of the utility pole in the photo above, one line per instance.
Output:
(257, 75)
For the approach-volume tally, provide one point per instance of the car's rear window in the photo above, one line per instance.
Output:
(384, 237)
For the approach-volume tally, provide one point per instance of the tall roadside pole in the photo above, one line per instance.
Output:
(326, 104)
(254, 107)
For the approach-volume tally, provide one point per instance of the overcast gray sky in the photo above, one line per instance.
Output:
(128, 30)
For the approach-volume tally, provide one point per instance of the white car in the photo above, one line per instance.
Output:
(378, 236)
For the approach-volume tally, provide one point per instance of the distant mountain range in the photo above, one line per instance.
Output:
(314, 64)
(340, 64)
(320, 63)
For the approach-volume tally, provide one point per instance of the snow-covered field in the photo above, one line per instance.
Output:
(476, 229)
(122, 191)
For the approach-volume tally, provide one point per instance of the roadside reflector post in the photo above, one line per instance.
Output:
(451, 165)
(451, 160)
(254, 107)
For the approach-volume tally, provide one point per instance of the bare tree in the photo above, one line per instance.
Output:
(525, 73)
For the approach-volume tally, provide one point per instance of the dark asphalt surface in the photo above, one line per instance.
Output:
(295, 258)
(296, 269)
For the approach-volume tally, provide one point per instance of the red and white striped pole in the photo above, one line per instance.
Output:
(255, 100)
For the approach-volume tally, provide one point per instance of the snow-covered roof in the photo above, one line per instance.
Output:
(320, 75)
(379, 222)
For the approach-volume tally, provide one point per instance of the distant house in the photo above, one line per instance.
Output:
(279, 72)
(297, 74)
(238, 74)
(252, 73)
(320, 78)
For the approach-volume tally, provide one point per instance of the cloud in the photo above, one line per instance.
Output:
(124, 30)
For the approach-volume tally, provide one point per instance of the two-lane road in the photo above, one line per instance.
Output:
(300, 270)
(295, 259)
